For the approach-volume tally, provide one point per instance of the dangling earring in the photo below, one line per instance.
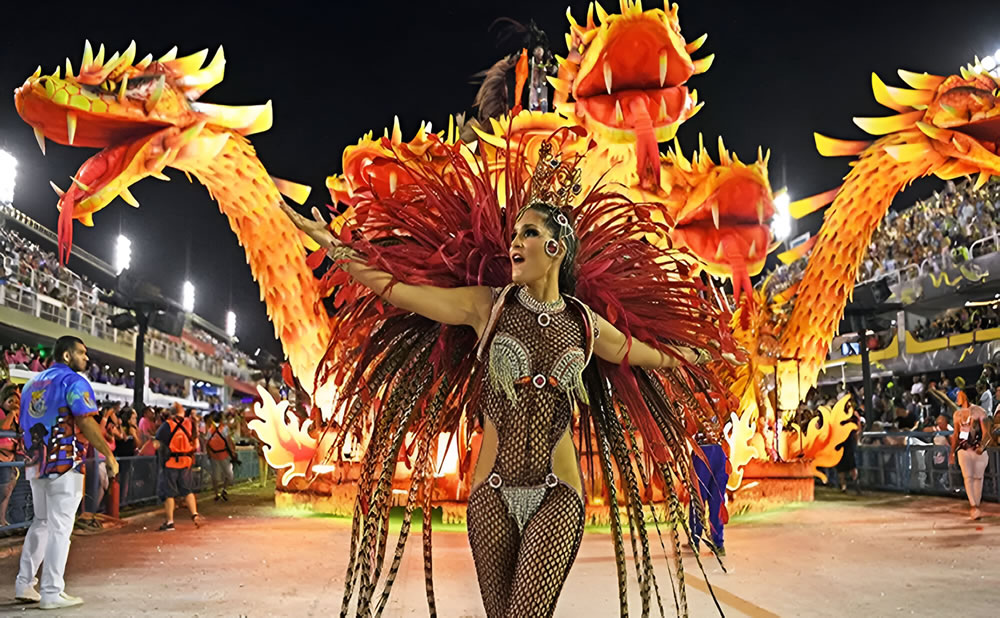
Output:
(552, 247)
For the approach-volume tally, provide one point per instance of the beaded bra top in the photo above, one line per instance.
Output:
(519, 358)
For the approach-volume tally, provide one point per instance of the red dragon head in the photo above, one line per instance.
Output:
(623, 79)
(721, 212)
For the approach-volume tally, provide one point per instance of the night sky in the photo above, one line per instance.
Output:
(335, 70)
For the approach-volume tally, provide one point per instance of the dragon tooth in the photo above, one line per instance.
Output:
(663, 109)
(121, 89)
(79, 183)
(69, 67)
(715, 215)
(718, 252)
(40, 138)
(155, 94)
(392, 182)
(607, 76)
(128, 197)
(760, 211)
(619, 116)
(70, 127)
(56, 188)
(161, 175)
(752, 253)
(983, 178)
(663, 67)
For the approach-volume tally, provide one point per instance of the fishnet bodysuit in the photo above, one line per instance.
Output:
(521, 572)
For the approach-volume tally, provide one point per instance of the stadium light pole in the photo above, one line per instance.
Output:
(187, 297)
(8, 173)
(781, 225)
(231, 323)
(123, 254)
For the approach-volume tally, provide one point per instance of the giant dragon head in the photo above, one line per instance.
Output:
(624, 78)
(721, 211)
(945, 126)
(143, 116)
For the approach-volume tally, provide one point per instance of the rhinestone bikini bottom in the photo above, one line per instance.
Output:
(522, 502)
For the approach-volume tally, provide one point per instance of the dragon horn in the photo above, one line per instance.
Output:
(170, 55)
(88, 55)
(703, 64)
(188, 64)
(197, 83)
(881, 92)
(832, 147)
(696, 44)
(805, 206)
(602, 15)
(920, 81)
(889, 124)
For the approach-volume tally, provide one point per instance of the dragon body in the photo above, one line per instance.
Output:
(145, 117)
(944, 126)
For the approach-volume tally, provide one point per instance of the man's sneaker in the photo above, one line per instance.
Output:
(27, 595)
(167, 525)
(198, 520)
(225, 495)
(217, 497)
(62, 601)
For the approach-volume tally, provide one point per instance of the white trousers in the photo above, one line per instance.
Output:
(47, 542)
(973, 467)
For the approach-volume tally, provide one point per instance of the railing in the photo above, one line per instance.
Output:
(137, 483)
(27, 299)
(921, 469)
(989, 241)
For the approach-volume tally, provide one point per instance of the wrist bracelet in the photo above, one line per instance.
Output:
(342, 255)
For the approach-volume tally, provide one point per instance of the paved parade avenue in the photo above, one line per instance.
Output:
(880, 554)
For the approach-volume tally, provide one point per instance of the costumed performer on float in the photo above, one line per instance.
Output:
(526, 507)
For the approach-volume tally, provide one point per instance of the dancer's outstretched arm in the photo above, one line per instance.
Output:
(468, 305)
(612, 346)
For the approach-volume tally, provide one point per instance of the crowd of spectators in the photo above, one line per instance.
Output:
(958, 321)
(921, 403)
(27, 266)
(937, 231)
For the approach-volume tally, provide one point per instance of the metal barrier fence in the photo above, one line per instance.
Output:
(136, 479)
(921, 469)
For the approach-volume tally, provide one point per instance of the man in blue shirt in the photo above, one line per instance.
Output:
(56, 405)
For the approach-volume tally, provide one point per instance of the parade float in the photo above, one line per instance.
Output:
(146, 117)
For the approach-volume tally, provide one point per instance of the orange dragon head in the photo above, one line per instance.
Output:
(143, 115)
(371, 163)
(624, 79)
(945, 126)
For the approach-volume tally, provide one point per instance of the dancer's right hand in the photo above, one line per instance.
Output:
(316, 228)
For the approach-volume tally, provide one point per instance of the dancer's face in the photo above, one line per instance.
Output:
(529, 261)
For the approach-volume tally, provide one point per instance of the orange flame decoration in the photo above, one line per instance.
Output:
(740, 434)
(822, 435)
(287, 444)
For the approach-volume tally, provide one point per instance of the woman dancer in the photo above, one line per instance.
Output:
(970, 439)
(521, 374)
